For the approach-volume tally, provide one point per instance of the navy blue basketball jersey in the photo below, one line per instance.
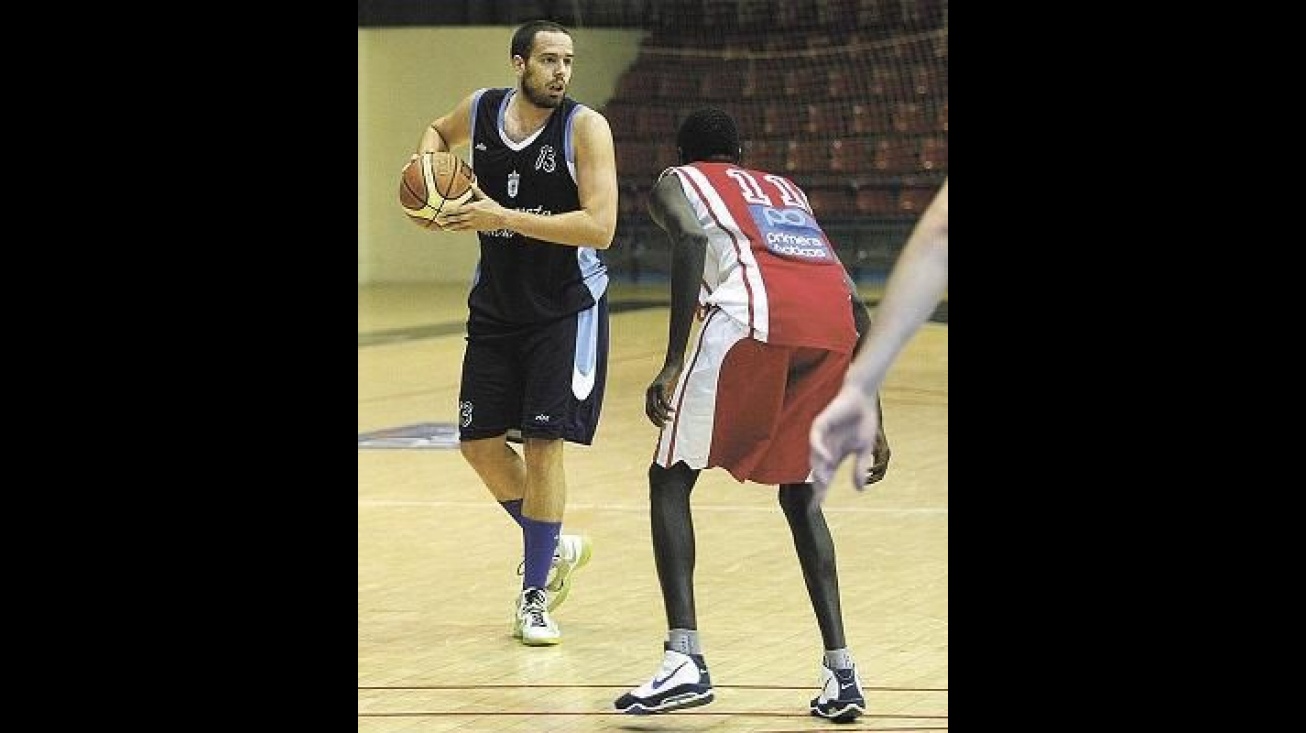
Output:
(520, 280)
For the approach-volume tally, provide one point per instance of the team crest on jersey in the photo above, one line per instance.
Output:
(546, 161)
(514, 181)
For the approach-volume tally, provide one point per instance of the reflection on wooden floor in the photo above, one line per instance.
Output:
(437, 559)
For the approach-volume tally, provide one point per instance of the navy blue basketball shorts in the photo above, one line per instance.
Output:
(545, 381)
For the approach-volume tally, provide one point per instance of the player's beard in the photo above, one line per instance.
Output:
(540, 96)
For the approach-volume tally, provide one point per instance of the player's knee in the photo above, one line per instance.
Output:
(795, 499)
(670, 484)
(481, 451)
(656, 475)
(678, 473)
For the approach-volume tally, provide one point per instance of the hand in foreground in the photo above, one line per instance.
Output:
(657, 398)
(850, 424)
(479, 213)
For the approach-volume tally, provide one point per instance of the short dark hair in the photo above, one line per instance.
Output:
(708, 133)
(524, 38)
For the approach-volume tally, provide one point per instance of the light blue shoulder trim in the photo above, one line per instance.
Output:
(476, 104)
(568, 147)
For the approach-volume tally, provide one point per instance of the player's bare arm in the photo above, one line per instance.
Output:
(671, 211)
(861, 314)
(880, 450)
(916, 283)
(450, 131)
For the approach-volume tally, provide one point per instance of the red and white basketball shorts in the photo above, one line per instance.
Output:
(748, 406)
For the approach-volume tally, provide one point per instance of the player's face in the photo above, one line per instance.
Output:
(548, 71)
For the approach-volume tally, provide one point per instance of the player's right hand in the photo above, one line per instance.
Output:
(880, 454)
(657, 398)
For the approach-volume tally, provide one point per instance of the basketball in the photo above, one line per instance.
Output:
(432, 183)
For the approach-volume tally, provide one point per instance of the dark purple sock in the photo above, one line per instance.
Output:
(541, 540)
(514, 508)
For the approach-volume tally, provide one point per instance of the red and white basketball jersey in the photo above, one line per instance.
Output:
(769, 264)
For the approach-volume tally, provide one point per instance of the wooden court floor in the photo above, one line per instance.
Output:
(438, 558)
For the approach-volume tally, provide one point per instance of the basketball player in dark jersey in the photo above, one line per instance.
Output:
(779, 319)
(537, 329)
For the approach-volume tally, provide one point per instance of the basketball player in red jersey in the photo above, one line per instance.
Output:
(780, 320)
(537, 325)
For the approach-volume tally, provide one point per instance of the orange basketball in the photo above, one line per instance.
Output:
(432, 183)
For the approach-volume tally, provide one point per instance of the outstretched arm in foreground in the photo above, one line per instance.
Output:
(880, 451)
(850, 423)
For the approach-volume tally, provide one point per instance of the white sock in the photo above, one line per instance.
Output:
(838, 658)
(684, 641)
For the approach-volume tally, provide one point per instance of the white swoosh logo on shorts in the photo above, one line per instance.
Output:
(582, 383)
